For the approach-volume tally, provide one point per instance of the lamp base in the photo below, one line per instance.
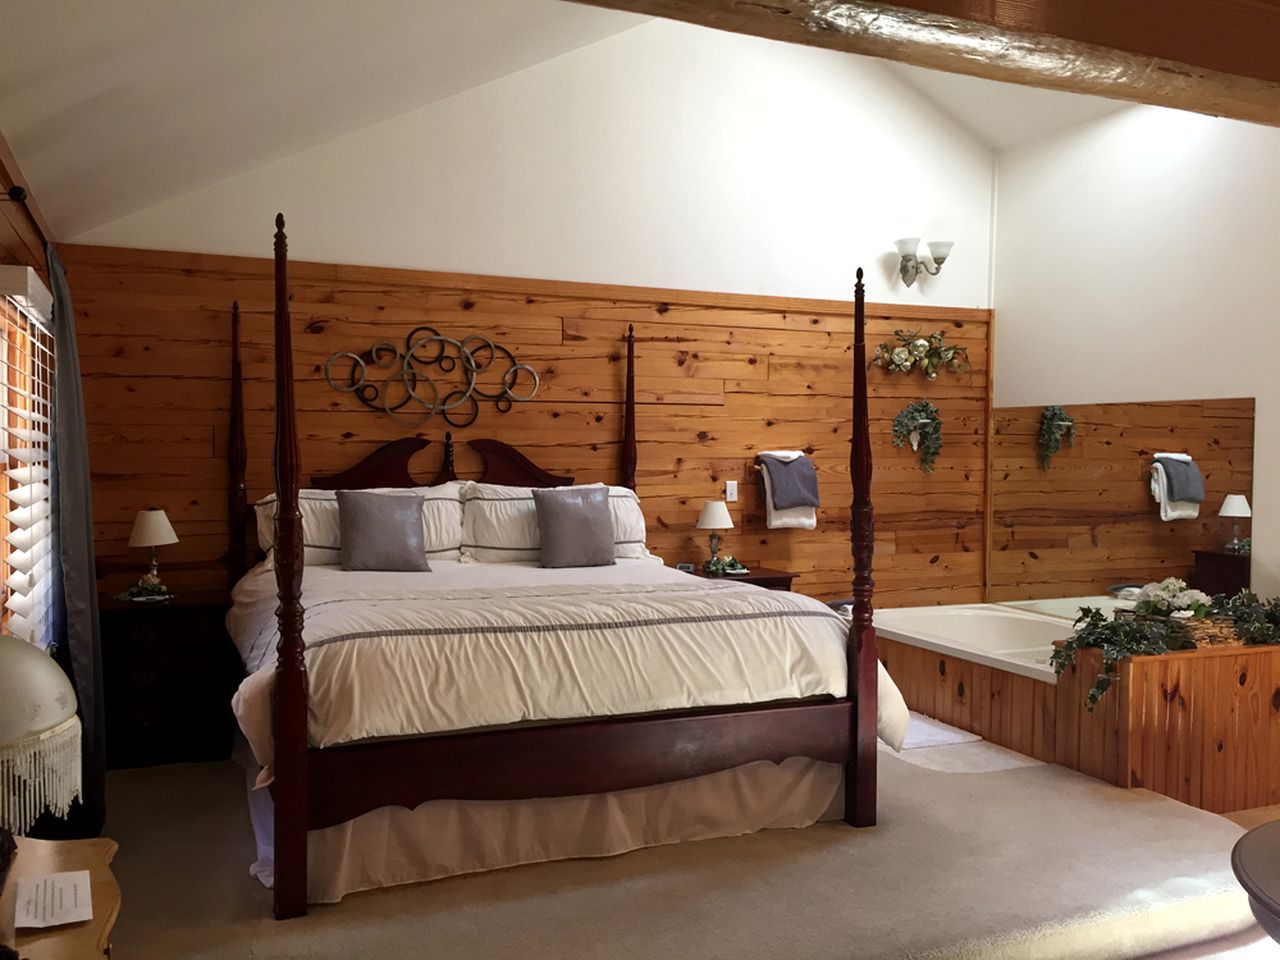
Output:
(1235, 545)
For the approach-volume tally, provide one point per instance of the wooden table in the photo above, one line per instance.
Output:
(1256, 861)
(76, 941)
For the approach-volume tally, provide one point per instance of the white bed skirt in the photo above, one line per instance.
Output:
(444, 838)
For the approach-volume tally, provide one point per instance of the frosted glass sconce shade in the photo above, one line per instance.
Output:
(911, 266)
(939, 250)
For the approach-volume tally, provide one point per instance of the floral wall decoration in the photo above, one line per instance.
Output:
(918, 424)
(909, 351)
(1056, 426)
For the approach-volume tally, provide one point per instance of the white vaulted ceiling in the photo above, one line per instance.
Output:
(111, 107)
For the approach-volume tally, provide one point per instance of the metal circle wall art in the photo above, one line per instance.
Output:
(433, 374)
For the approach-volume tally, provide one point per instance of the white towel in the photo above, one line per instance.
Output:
(1170, 509)
(796, 518)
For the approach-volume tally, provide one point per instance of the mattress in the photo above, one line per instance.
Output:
(471, 645)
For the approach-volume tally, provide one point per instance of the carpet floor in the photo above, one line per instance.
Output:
(1023, 860)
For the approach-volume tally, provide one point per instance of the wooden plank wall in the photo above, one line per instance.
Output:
(1090, 522)
(718, 378)
(1201, 726)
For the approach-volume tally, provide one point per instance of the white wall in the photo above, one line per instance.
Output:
(1136, 260)
(667, 155)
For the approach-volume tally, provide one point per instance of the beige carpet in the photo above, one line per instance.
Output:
(1022, 861)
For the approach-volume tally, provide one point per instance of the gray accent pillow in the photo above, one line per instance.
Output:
(575, 526)
(381, 531)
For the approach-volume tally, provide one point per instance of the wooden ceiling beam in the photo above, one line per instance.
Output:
(1129, 51)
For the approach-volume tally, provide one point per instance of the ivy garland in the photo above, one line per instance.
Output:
(919, 425)
(1056, 425)
(1117, 639)
(913, 352)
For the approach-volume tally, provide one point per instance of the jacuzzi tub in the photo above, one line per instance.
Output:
(1017, 637)
(1002, 637)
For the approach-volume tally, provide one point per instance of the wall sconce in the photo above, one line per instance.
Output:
(911, 264)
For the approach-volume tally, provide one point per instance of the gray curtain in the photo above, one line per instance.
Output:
(75, 586)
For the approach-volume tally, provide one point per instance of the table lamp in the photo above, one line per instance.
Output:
(39, 736)
(714, 517)
(151, 528)
(1235, 506)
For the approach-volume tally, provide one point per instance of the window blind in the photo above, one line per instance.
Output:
(26, 526)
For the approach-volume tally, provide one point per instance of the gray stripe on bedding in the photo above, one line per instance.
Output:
(573, 627)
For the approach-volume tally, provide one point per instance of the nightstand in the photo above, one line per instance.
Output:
(169, 672)
(760, 577)
(1219, 572)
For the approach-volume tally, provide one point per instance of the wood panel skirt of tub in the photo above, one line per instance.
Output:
(1006, 708)
(1201, 726)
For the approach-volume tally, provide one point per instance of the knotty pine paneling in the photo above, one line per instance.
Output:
(1200, 726)
(1089, 521)
(718, 377)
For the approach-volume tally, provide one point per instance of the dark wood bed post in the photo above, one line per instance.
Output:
(290, 717)
(627, 465)
(237, 456)
(860, 650)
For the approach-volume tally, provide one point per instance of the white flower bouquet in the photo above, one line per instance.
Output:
(1172, 597)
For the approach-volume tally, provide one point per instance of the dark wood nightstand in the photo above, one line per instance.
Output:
(169, 672)
(1217, 571)
(760, 577)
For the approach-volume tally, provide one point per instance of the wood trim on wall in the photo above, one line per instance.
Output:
(1089, 521)
(719, 377)
(23, 228)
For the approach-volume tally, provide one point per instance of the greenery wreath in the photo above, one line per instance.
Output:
(918, 424)
(1056, 426)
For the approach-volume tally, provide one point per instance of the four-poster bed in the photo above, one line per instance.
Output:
(318, 787)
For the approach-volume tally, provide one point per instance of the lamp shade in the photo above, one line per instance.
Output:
(939, 250)
(39, 735)
(1235, 505)
(715, 516)
(151, 528)
(907, 246)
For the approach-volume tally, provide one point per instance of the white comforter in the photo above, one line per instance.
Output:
(474, 645)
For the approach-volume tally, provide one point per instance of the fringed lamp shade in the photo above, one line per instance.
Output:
(39, 736)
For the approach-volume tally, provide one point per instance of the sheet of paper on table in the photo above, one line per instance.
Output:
(53, 899)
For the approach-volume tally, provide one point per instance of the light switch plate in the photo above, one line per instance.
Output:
(731, 491)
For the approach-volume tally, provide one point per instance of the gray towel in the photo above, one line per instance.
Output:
(794, 482)
(1185, 482)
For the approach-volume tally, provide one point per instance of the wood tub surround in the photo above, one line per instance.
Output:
(1089, 521)
(719, 378)
(1006, 708)
(1201, 726)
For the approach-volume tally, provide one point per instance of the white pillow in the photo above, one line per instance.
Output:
(322, 541)
(500, 523)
